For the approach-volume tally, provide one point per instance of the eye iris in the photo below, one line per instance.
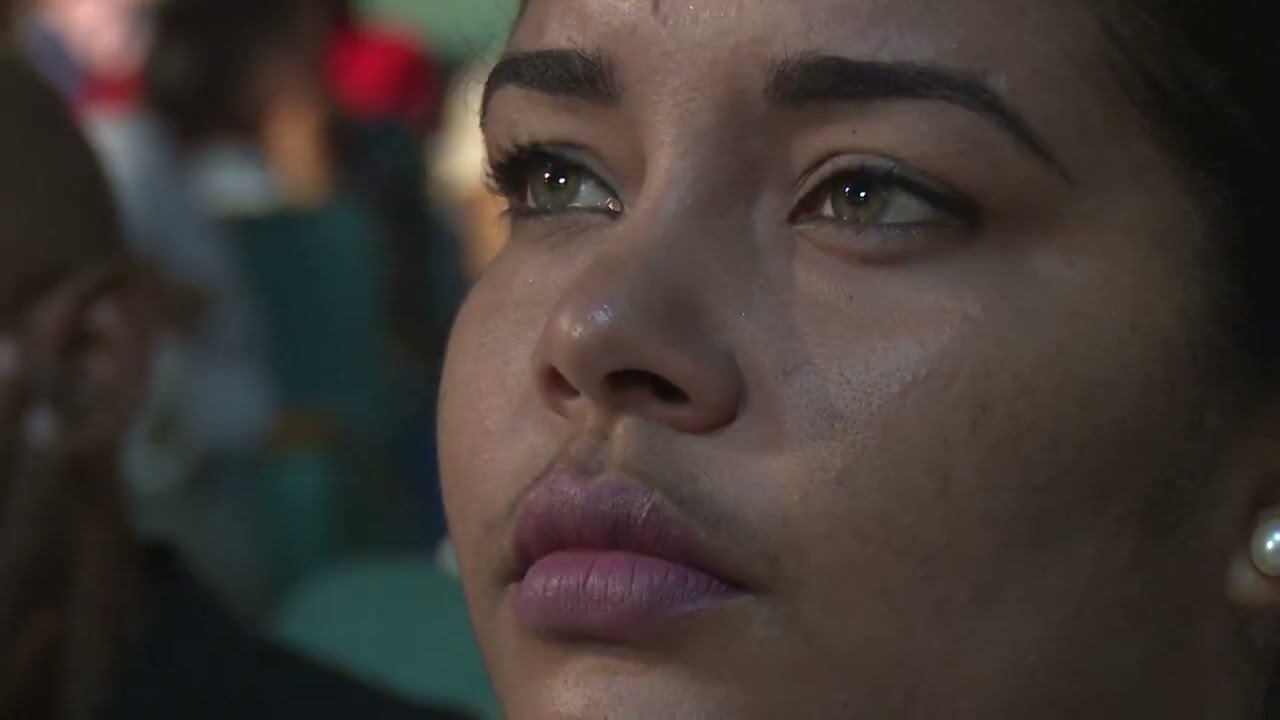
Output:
(555, 186)
(855, 200)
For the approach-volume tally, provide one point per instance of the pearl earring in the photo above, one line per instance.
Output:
(1265, 546)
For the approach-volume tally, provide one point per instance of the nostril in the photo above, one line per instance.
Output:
(629, 382)
(559, 385)
(669, 393)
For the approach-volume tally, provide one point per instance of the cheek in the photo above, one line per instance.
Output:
(491, 425)
(976, 475)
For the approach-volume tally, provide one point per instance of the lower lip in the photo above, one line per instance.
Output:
(612, 596)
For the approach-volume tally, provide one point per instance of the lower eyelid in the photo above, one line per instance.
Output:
(883, 243)
(529, 213)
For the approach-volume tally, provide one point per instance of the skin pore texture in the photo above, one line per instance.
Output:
(955, 428)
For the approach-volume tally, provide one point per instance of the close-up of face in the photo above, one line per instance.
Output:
(847, 359)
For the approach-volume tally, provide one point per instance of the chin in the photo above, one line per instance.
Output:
(602, 688)
(709, 668)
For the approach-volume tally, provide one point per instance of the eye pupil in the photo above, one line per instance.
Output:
(555, 186)
(856, 200)
(555, 180)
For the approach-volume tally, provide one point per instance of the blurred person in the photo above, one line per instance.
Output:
(198, 446)
(91, 624)
(242, 85)
(195, 449)
(71, 360)
(251, 106)
(878, 360)
(390, 93)
(238, 83)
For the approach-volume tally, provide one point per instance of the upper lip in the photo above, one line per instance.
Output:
(608, 513)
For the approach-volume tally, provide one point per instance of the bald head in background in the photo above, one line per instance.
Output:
(56, 214)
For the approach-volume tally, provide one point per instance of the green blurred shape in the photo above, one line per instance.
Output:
(398, 623)
(458, 30)
(299, 491)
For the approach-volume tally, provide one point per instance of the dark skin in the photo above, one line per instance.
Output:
(71, 369)
(971, 455)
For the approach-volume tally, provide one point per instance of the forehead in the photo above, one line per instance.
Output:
(980, 34)
(1041, 54)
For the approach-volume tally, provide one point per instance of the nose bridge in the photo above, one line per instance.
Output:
(646, 328)
(686, 246)
(635, 334)
(634, 306)
(694, 227)
(631, 286)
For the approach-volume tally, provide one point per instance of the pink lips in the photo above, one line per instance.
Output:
(608, 560)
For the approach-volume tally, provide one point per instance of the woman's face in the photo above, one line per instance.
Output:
(846, 360)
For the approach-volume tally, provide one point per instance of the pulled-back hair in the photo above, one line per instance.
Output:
(1206, 75)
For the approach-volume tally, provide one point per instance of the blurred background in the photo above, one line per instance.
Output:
(305, 180)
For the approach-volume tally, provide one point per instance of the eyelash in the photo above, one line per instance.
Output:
(504, 169)
(508, 175)
(508, 178)
(887, 177)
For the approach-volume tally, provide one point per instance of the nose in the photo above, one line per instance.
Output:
(630, 343)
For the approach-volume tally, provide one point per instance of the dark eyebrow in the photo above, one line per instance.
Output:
(809, 80)
(567, 73)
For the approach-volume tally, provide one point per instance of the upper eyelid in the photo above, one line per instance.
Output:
(826, 169)
(838, 164)
(817, 179)
(562, 151)
(567, 151)
(897, 175)
(581, 158)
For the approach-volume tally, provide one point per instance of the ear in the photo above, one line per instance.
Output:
(86, 343)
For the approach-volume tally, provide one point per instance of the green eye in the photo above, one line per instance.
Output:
(555, 186)
(857, 201)
(540, 182)
(869, 197)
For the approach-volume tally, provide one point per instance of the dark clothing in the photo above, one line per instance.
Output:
(192, 661)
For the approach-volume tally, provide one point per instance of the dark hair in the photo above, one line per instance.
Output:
(202, 72)
(1205, 75)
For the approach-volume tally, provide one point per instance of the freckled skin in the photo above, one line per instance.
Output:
(953, 475)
